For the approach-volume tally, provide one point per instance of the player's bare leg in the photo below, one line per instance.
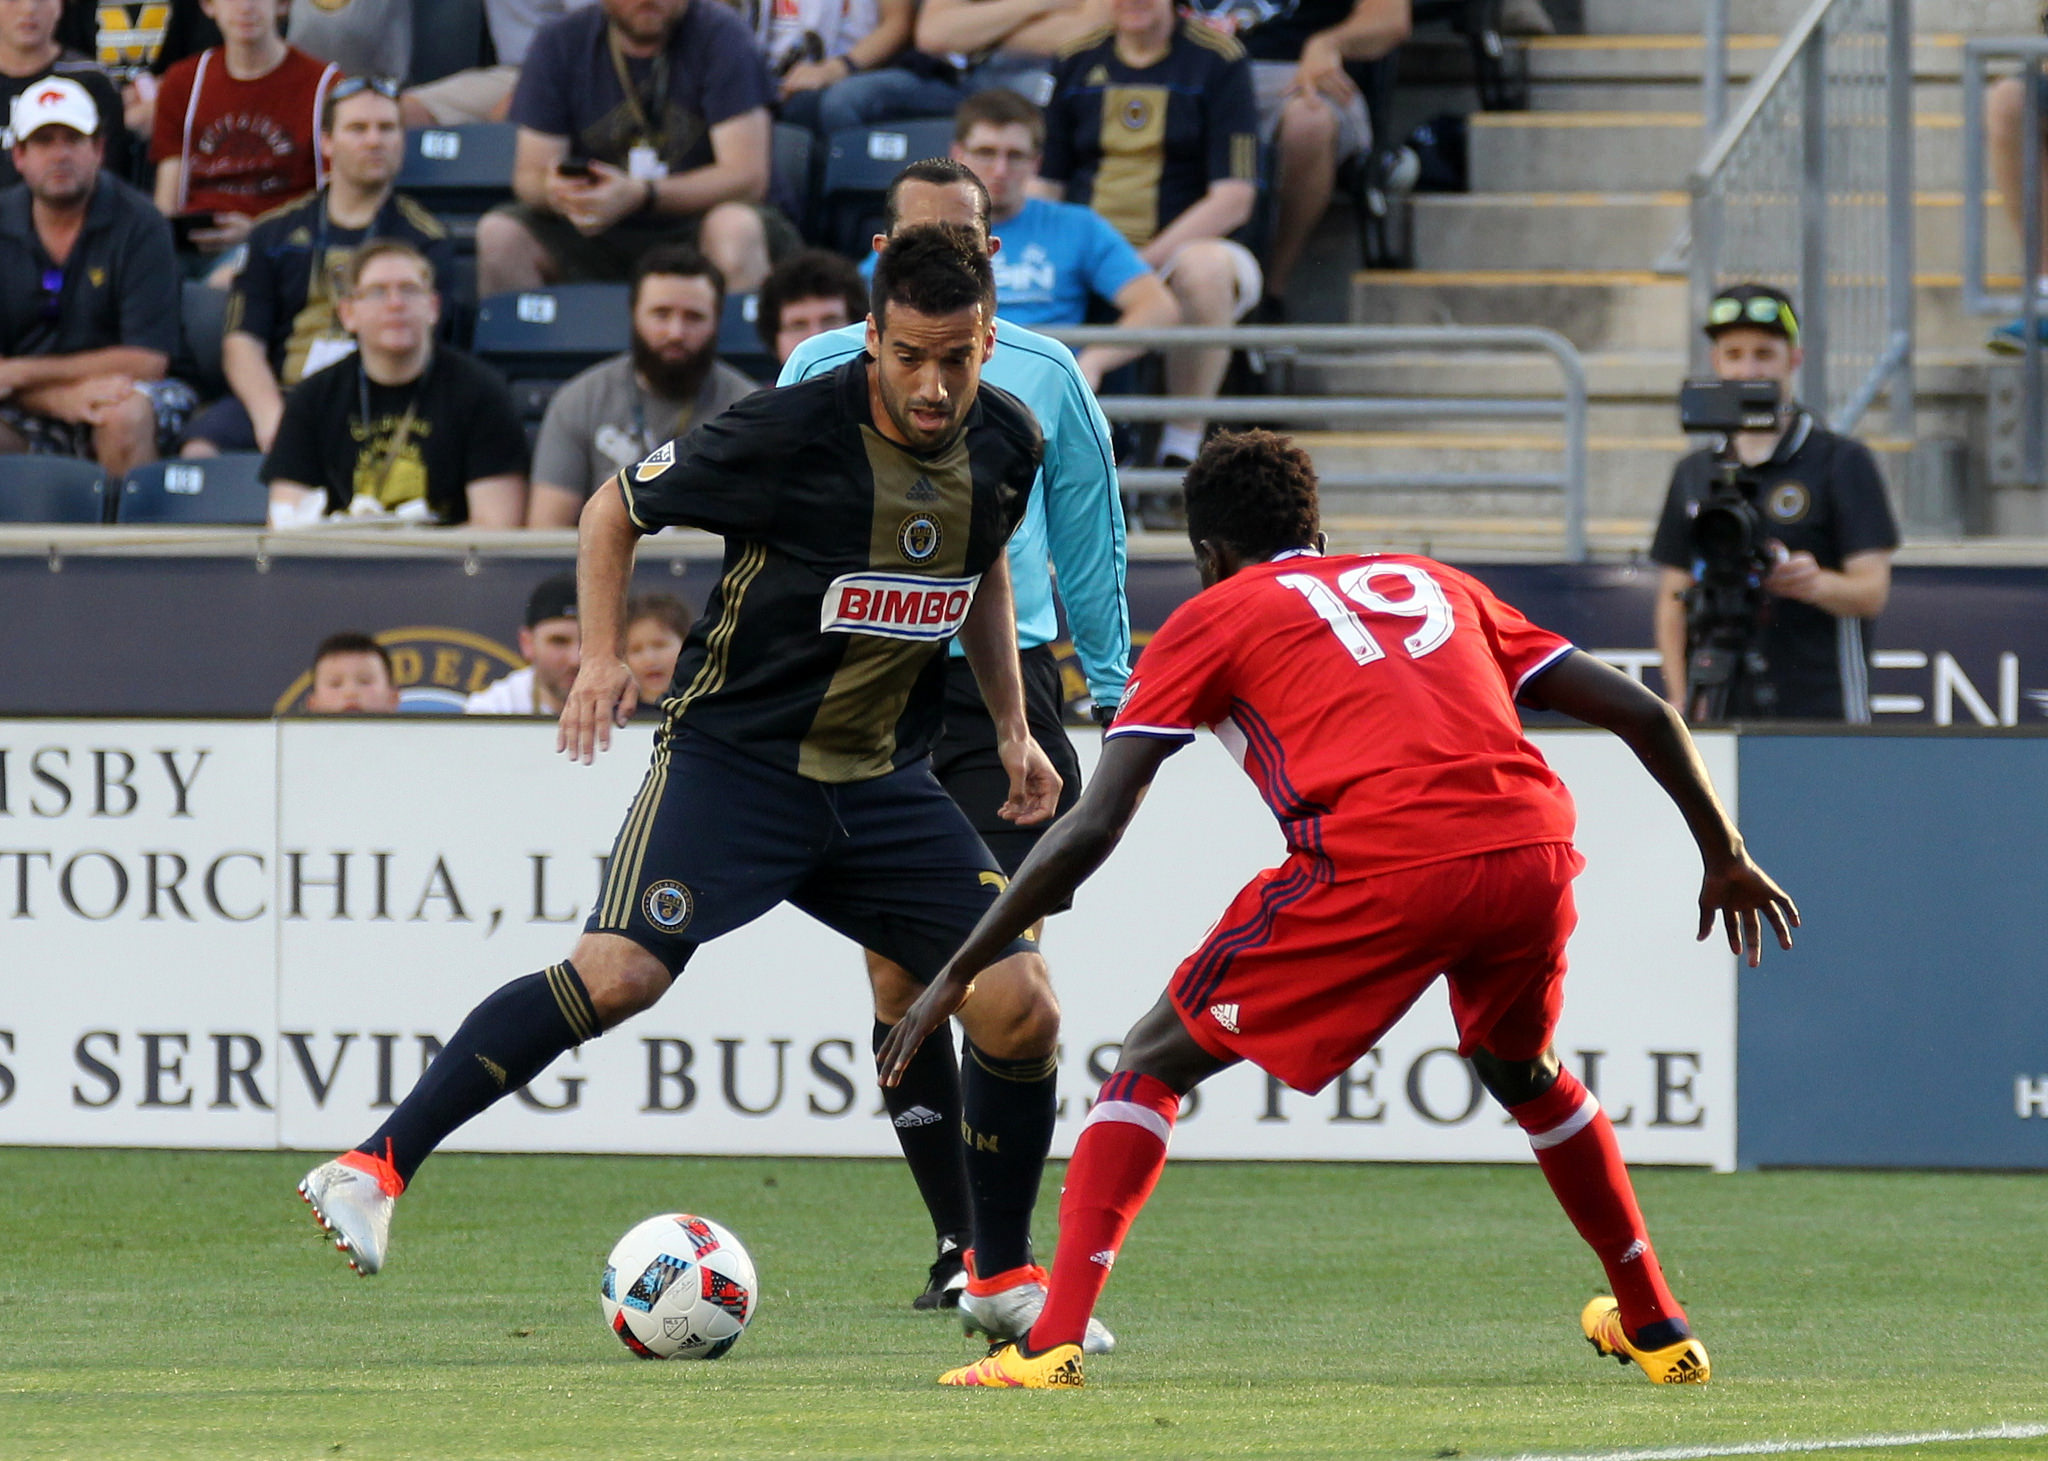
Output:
(504, 1042)
(1576, 1148)
(1116, 1164)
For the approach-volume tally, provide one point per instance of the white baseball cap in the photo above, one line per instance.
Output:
(53, 101)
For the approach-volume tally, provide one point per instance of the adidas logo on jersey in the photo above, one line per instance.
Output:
(922, 491)
(915, 1117)
(1226, 1016)
(1107, 1257)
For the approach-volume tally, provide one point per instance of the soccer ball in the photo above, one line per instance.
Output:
(679, 1287)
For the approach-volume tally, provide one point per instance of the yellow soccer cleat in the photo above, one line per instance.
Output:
(1007, 1368)
(1683, 1363)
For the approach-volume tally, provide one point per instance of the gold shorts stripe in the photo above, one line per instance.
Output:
(572, 1002)
(622, 880)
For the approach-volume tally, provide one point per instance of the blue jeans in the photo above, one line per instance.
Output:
(892, 93)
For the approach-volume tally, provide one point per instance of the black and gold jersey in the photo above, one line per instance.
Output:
(1141, 145)
(850, 562)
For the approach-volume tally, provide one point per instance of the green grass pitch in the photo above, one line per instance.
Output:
(157, 1305)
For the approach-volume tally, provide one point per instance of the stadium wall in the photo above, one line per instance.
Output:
(253, 934)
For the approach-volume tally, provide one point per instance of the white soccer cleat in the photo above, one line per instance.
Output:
(1005, 1315)
(353, 1206)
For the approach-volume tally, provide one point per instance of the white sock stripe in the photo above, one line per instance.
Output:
(1135, 1114)
(1568, 1128)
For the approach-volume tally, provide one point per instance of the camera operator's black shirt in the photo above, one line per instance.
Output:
(1819, 493)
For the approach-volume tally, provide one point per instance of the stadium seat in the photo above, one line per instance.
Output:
(447, 36)
(459, 173)
(202, 312)
(51, 489)
(791, 184)
(223, 490)
(550, 334)
(860, 163)
(739, 341)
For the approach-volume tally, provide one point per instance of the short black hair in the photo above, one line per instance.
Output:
(935, 269)
(353, 641)
(1254, 490)
(682, 261)
(944, 173)
(808, 274)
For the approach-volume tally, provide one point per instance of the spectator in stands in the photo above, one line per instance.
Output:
(139, 40)
(352, 675)
(402, 426)
(1309, 107)
(1052, 258)
(966, 46)
(621, 409)
(484, 93)
(282, 318)
(1153, 125)
(815, 48)
(88, 295)
(551, 643)
(807, 294)
(361, 37)
(29, 51)
(640, 122)
(237, 127)
(655, 627)
(1823, 504)
(2005, 106)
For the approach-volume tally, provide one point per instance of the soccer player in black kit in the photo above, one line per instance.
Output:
(865, 514)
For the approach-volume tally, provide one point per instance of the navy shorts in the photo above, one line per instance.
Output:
(715, 839)
(966, 763)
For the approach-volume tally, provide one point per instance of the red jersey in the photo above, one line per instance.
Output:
(1371, 701)
(248, 146)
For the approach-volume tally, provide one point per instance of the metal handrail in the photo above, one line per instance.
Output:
(1341, 342)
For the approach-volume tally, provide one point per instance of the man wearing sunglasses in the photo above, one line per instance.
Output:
(88, 295)
(1823, 503)
(283, 321)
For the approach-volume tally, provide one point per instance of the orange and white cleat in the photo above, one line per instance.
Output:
(352, 1197)
(1008, 1368)
(1683, 1363)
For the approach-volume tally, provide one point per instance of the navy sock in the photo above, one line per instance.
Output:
(1006, 1122)
(925, 1110)
(506, 1041)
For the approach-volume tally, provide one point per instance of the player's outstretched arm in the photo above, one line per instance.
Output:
(605, 692)
(1735, 889)
(1077, 844)
(989, 638)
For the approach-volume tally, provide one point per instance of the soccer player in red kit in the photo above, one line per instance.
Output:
(1371, 699)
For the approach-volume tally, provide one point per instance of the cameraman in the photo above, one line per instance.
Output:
(1822, 502)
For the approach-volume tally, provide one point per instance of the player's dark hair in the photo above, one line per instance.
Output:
(946, 173)
(1255, 491)
(808, 274)
(998, 107)
(681, 261)
(665, 608)
(935, 269)
(351, 641)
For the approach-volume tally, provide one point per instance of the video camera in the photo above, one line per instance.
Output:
(1733, 553)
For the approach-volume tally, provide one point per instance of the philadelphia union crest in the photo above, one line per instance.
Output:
(668, 905)
(919, 537)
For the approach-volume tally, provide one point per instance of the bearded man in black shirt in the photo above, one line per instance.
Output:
(866, 513)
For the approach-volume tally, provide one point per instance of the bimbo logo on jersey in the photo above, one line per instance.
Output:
(896, 605)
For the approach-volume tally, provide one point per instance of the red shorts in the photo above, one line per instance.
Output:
(1302, 978)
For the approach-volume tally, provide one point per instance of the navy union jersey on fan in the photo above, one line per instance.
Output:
(850, 562)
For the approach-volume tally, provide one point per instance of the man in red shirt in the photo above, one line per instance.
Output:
(1371, 699)
(237, 128)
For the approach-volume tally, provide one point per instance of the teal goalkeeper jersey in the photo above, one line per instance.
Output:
(1074, 524)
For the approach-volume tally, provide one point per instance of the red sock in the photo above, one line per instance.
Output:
(1117, 1162)
(1576, 1148)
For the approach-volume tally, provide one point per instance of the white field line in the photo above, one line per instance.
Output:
(1795, 1448)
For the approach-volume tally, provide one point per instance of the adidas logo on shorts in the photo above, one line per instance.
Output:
(917, 1116)
(1226, 1016)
